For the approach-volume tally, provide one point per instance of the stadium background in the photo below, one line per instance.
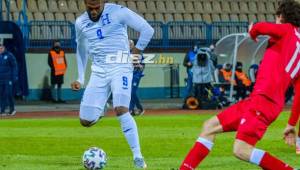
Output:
(178, 24)
(41, 137)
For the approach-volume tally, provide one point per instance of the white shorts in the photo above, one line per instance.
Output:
(100, 87)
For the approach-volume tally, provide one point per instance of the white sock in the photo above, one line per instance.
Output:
(208, 144)
(257, 156)
(298, 141)
(130, 131)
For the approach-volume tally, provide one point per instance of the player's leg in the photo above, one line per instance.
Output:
(53, 93)
(93, 102)
(132, 99)
(252, 127)
(59, 99)
(10, 98)
(298, 142)
(249, 153)
(203, 145)
(135, 86)
(226, 121)
(121, 89)
(189, 84)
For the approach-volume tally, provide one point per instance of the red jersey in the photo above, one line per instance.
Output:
(281, 61)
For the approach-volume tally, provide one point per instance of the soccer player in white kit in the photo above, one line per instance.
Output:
(101, 35)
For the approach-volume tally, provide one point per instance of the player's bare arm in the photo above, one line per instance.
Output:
(250, 28)
(289, 134)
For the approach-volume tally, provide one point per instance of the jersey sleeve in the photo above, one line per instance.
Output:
(296, 104)
(81, 53)
(265, 28)
(139, 24)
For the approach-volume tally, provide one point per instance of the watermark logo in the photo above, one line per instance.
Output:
(124, 57)
(164, 60)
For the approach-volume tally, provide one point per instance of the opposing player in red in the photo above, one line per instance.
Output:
(290, 131)
(251, 117)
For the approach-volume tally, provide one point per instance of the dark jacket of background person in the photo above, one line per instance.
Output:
(226, 73)
(138, 73)
(188, 63)
(8, 77)
(138, 70)
(243, 83)
(241, 77)
(8, 67)
(56, 79)
(189, 58)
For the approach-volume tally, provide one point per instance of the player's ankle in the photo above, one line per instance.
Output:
(137, 153)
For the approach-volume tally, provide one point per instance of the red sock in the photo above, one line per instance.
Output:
(194, 157)
(269, 162)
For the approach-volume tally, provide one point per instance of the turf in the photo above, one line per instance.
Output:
(58, 144)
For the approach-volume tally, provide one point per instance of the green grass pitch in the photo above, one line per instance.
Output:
(58, 144)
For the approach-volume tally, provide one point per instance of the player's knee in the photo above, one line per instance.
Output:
(120, 110)
(208, 127)
(211, 127)
(240, 152)
(90, 115)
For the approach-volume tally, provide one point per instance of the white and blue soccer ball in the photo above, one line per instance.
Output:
(94, 159)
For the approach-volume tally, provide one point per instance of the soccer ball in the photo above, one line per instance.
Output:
(94, 159)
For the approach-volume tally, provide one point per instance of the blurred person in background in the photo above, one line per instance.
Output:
(202, 71)
(252, 75)
(8, 77)
(243, 83)
(58, 65)
(188, 63)
(213, 55)
(138, 73)
(225, 73)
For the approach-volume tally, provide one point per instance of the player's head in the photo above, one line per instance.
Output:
(288, 12)
(2, 48)
(94, 9)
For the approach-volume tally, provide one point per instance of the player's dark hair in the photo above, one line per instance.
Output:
(290, 11)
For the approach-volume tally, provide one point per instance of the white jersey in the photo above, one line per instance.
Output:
(108, 37)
